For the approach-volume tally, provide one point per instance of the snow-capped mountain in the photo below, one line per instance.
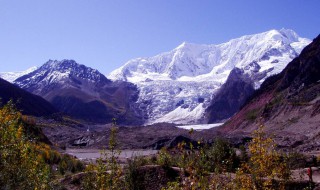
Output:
(172, 83)
(66, 73)
(11, 76)
(82, 92)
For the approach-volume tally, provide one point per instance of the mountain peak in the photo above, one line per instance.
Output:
(71, 68)
(185, 45)
(63, 64)
(286, 36)
(188, 47)
(55, 72)
(182, 45)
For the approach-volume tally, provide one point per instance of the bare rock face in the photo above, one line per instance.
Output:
(230, 97)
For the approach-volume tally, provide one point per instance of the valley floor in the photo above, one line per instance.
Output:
(89, 155)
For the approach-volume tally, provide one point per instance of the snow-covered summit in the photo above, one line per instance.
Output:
(72, 68)
(65, 72)
(11, 76)
(199, 62)
(178, 85)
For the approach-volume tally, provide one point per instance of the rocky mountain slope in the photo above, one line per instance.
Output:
(28, 103)
(177, 86)
(82, 92)
(231, 96)
(288, 103)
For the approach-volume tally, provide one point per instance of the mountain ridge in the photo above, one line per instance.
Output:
(196, 71)
(176, 86)
(168, 62)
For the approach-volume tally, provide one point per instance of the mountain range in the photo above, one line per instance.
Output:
(185, 85)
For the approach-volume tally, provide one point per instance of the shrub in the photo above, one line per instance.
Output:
(21, 164)
(164, 158)
(267, 168)
(222, 156)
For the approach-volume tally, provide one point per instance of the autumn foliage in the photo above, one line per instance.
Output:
(267, 168)
(21, 164)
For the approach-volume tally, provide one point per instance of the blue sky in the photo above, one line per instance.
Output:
(104, 34)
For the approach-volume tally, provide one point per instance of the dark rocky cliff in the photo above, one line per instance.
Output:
(232, 95)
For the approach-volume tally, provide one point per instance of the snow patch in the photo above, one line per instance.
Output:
(200, 127)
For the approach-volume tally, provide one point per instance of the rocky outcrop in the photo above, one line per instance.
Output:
(230, 97)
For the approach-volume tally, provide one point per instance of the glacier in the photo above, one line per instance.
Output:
(177, 86)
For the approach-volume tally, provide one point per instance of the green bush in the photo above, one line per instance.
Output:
(164, 158)
(222, 156)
